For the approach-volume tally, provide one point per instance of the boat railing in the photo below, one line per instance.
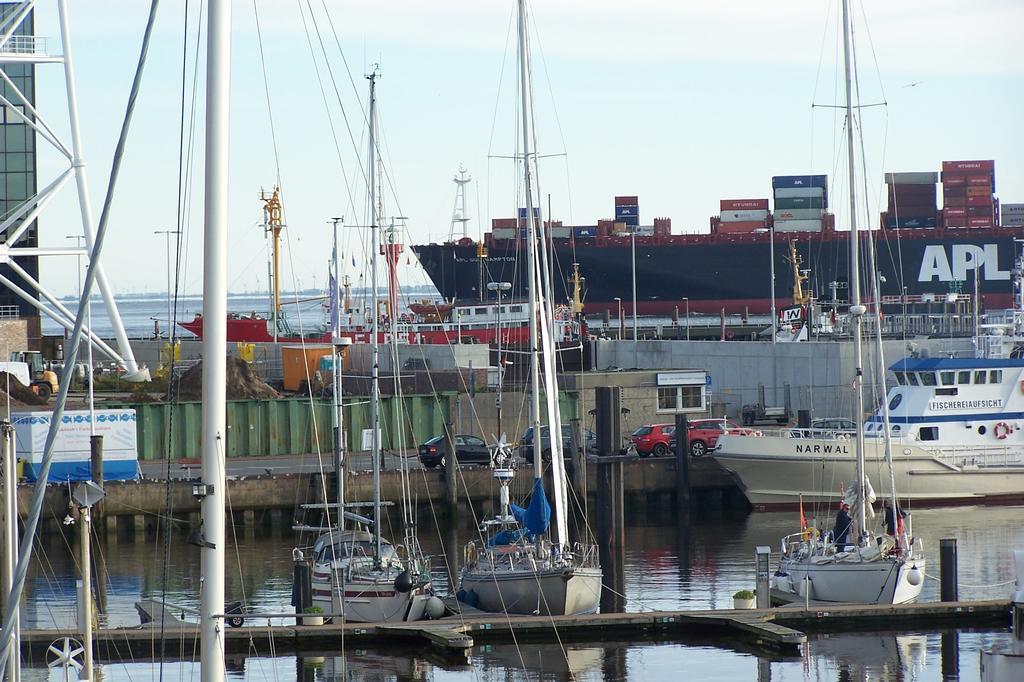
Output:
(980, 456)
(586, 556)
(821, 434)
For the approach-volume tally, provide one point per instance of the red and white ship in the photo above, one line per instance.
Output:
(426, 321)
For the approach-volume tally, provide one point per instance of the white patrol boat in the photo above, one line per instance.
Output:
(957, 427)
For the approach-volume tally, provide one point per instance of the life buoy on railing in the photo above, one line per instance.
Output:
(1002, 430)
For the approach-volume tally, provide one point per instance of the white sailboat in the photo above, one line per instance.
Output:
(357, 575)
(874, 568)
(520, 568)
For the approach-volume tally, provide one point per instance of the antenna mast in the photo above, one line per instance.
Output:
(459, 211)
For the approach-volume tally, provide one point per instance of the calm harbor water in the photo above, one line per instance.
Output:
(668, 565)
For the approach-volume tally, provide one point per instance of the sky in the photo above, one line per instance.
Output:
(680, 102)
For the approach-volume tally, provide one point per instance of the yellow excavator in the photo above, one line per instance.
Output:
(42, 379)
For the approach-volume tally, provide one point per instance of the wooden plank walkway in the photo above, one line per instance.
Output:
(779, 630)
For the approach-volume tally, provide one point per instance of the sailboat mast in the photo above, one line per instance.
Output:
(339, 430)
(215, 290)
(856, 309)
(531, 251)
(374, 341)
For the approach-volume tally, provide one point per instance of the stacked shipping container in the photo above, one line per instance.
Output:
(912, 200)
(1013, 215)
(800, 202)
(742, 215)
(627, 211)
(967, 194)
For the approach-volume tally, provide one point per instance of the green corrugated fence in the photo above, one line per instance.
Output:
(281, 427)
(286, 426)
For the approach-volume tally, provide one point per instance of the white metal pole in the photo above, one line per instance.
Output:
(854, 277)
(84, 202)
(687, 318)
(218, 88)
(10, 510)
(531, 253)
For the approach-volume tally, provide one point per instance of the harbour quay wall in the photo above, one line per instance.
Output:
(141, 505)
(819, 373)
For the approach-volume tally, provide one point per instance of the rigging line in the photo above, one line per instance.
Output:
(497, 94)
(266, 91)
(337, 95)
(39, 492)
(172, 388)
(327, 108)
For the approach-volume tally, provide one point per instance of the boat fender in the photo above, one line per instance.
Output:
(914, 576)
(403, 582)
(1002, 430)
(435, 608)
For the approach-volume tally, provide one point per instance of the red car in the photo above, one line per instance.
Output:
(704, 434)
(654, 439)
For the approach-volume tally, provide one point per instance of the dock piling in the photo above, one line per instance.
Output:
(450, 465)
(948, 569)
(682, 461)
(611, 538)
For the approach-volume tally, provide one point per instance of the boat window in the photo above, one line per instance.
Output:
(979, 376)
(964, 377)
(516, 309)
(912, 378)
(479, 311)
(948, 378)
(927, 378)
(929, 433)
(995, 376)
(900, 378)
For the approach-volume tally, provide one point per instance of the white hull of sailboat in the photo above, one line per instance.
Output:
(367, 601)
(775, 472)
(558, 592)
(884, 581)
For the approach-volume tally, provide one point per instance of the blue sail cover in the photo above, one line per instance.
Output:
(537, 516)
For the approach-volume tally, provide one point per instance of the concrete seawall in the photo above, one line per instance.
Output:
(140, 504)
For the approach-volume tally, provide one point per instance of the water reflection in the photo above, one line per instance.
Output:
(670, 561)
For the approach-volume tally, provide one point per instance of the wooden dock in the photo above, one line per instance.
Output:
(781, 631)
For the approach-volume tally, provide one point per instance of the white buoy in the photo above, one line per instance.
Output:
(914, 576)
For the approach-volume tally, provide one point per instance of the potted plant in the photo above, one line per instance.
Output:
(312, 615)
(744, 599)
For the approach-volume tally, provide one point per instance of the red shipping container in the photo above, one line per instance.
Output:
(501, 223)
(955, 202)
(979, 211)
(627, 201)
(911, 190)
(980, 201)
(908, 209)
(950, 180)
(743, 204)
(954, 191)
(980, 222)
(954, 213)
(979, 190)
(971, 167)
(979, 179)
(744, 227)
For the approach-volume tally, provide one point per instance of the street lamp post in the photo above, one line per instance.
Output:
(167, 240)
(622, 324)
(499, 288)
(687, 299)
(636, 362)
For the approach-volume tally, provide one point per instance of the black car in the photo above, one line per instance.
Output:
(526, 443)
(470, 450)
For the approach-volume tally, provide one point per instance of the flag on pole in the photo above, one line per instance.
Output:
(333, 288)
(803, 519)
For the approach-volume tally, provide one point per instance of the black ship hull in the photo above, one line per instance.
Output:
(709, 275)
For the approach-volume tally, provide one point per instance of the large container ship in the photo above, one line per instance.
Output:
(924, 252)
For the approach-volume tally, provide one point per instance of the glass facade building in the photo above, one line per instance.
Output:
(18, 164)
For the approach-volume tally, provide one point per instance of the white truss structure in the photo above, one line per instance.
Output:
(459, 214)
(33, 50)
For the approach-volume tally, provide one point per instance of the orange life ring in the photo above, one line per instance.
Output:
(1003, 430)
